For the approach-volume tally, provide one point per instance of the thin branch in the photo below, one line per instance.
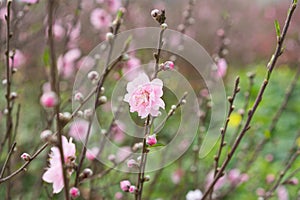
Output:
(258, 99)
(7, 159)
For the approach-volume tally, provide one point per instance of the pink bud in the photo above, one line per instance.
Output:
(151, 140)
(25, 157)
(270, 178)
(74, 192)
(167, 65)
(131, 163)
(46, 134)
(118, 195)
(132, 189)
(78, 97)
(154, 13)
(49, 99)
(125, 185)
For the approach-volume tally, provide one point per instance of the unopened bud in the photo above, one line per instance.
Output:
(45, 135)
(164, 26)
(74, 192)
(102, 100)
(93, 76)
(109, 36)
(78, 97)
(26, 157)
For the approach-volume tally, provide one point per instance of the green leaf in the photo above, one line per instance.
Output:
(157, 145)
(120, 14)
(46, 57)
(267, 134)
(277, 27)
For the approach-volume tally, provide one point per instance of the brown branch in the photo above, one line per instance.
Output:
(7, 158)
(246, 127)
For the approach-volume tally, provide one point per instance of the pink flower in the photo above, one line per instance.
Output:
(30, 1)
(177, 175)
(132, 189)
(270, 178)
(194, 195)
(54, 173)
(220, 183)
(118, 195)
(132, 68)
(151, 140)
(19, 59)
(74, 192)
(113, 5)
(100, 18)
(78, 129)
(58, 31)
(92, 153)
(117, 132)
(49, 99)
(66, 63)
(144, 96)
(132, 163)
(125, 185)
(222, 68)
(282, 193)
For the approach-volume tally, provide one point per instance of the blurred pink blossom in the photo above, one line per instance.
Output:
(66, 63)
(118, 195)
(260, 192)
(78, 129)
(270, 178)
(220, 183)
(54, 173)
(19, 59)
(125, 185)
(221, 68)
(58, 31)
(49, 99)
(92, 153)
(282, 193)
(132, 189)
(123, 153)
(30, 1)
(100, 18)
(144, 96)
(177, 175)
(117, 132)
(132, 68)
(113, 5)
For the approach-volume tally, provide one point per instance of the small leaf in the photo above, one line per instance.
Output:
(46, 57)
(157, 145)
(267, 134)
(277, 27)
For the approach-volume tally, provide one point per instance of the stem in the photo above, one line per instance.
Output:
(7, 159)
(258, 99)
(224, 130)
(55, 88)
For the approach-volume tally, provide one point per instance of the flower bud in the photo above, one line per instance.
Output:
(102, 100)
(88, 113)
(26, 157)
(167, 65)
(132, 189)
(93, 76)
(164, 26)
(4, 81)
(45, 135)
(49, 99)
(151, 140)
(109, 36)
(125, 185)
(132, 163)
(87, 172)
(13, 95)
(78, 97)
(173, 107)
(154, 13)
(147, 178)
(74, 192)
(112, 157)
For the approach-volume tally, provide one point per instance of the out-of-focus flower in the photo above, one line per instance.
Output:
(235, 120)
(78, 129)
(58, 31)
(49, 99)
(74, 192)
(132, 68)
(125, 185)
(222, 67)
(151, 140)
(144, 96)
(117, 132)
(282, 193)
(19, 59)
(194, 195)
(123, 153)
(100, 18)
(270, 178)
(92, 153)
(30, 1)
(66, 64)
(220, 183)
(118, 195)
(113, 5)
(177, 175)
(260, 192)
(132, 163)
(54, 173)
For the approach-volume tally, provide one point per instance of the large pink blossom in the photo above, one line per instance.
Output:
(100, 18)
(54, 173)
(144, 96)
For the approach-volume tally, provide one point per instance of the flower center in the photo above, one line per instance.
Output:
(142, 98)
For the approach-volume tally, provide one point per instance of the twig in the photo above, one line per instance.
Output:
(55, 88)
(275, 118)
(289, 164)
(7, 159)
(224, 129)
(258, 99)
